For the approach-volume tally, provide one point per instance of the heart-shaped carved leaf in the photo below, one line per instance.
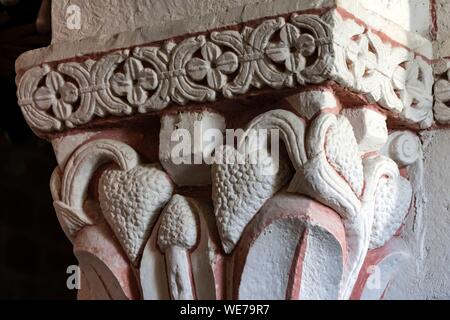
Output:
(342, 154)
(240, 188)
(392, 202)
(131, 202)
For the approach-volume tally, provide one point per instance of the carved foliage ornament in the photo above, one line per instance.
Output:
(148, 220)
(389, 75)
(442, 91)
(367, 191)
(277, 53)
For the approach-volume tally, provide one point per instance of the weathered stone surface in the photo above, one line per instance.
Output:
(426, 275)
(369, 127)
(340, 75)
(185, 146)
(213, 16)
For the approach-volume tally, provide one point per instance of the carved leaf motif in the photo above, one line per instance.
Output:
(264, 70)
(178, 224)
(344, 32)
(236, 41)
(69, 188)
(342, 153)
(58, 95)
(135, 82)
(159, 62)
(101, 73)
(182, 88)
(333, 173)
(240, 189)
(364, 61)
(414, 83)
(291, 129)
(377, 170)
(293, 49)
(392, 202)
(131, 201)
(70, 219)
(214, 66)
(104, 265)
(367, 64)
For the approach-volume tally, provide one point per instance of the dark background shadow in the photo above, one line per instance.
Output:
(34, 252)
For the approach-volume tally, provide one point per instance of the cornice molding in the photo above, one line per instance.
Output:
(277, 53)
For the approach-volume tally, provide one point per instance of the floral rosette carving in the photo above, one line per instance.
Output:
(196, 69)
(307, 49)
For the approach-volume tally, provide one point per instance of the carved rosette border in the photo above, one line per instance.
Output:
(306, 49)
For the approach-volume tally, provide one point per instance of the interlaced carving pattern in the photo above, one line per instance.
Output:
(306, 50)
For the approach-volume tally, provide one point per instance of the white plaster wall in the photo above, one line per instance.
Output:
(108, 17)
(427, 275)
(412, 15)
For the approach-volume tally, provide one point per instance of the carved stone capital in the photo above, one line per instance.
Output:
(335, 196)
(304, 213)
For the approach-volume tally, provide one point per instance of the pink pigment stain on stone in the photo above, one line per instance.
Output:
(99, 241)
(284, 206)
(373, 258)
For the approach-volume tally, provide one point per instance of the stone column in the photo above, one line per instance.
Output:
(159, 207)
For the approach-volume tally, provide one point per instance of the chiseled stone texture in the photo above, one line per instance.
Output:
(427, 230)
(108, 17)
(114, 24)
(412, 15)
(442, 43)
(369, 127)
(427, 276)
(189, 168)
